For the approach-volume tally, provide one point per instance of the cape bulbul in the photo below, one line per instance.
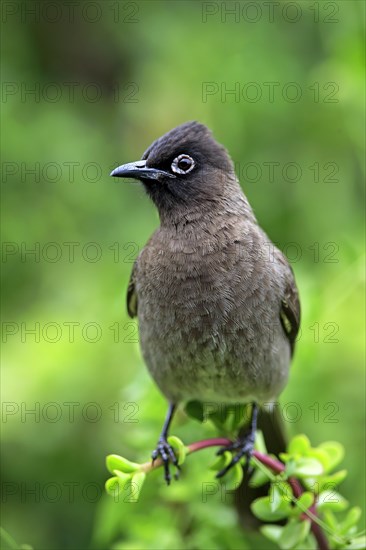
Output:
(216, 301)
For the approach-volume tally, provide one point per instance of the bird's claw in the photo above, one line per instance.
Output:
(233, 446)
(167, 455)
(245, 449)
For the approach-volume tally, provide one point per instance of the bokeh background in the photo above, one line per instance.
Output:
(88, 87)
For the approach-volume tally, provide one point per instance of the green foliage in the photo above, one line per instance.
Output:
(128, 477)
(315, 503)
(313, 467)
(226, 418)
(234, 476)
(179, 448)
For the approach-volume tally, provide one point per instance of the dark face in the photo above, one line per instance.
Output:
(184, 166)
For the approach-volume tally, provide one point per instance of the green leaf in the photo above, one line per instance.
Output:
(194, 409)
(322, 457)
(309, 543)
(242, 417)
(179, 447)
(234, 477)
(260, 444)
(331, 481)
(285, 490)
(285, 457)
(275, 497)
(290, 467)
(123, 476)
(351, 519)
(335, 452)
(299, 445)
(330, 520)
(294, 533)
(227, 418)
(112, 485)
(223, 417)
(261, 508)
(258, 478)
(331, 500)
(303, 503)
(116, 462)
(222, 461)
(279, 491)
(136, 483)
(357, 544)
(236, 416)
(115, 485)
(272, 532)
(307, 467)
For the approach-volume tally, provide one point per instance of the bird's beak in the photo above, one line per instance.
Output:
(139, 170)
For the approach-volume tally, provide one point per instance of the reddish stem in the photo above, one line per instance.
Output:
(213, 442)
(277, 467)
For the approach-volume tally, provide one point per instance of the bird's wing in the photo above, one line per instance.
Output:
(290, 303)
(290, 310)
(131, 294)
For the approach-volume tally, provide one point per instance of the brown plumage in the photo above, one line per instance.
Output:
(216, 302)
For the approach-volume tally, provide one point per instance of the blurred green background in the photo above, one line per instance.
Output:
(88, 87)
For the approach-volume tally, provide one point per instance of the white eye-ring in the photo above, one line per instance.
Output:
(183, 164)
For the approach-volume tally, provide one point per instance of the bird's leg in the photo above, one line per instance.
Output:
(244, 445)
(163, 449)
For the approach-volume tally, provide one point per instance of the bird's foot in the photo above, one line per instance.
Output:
(244, 448)
(167, 455)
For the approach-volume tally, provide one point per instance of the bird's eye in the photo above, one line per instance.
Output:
(183, 164)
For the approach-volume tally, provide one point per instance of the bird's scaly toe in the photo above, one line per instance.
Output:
(245, 449)
(167, 455)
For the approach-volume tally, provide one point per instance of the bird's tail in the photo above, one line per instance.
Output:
(273, 429)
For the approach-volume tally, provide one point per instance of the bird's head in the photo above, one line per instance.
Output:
(182, 168)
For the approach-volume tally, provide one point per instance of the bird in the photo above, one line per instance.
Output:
(217, 303)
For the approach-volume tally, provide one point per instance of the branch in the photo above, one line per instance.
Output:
(272, 464)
